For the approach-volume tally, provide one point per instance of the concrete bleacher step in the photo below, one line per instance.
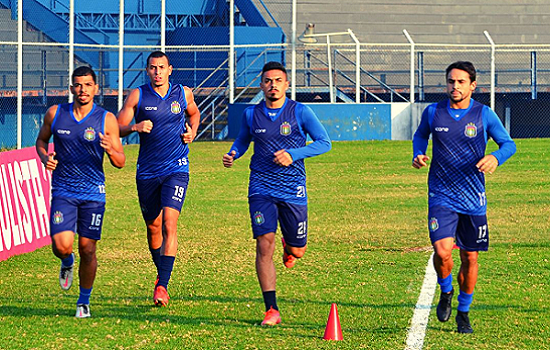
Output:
(434, 21)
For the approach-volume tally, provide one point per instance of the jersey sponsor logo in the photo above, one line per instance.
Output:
(285, 129)
(64, 132)
(175, 107)
(57, 217)
(89, 134)
(470, 130)
(442, 129)
(260, 131)
(259, 218)
(434, 225)
(151, 108)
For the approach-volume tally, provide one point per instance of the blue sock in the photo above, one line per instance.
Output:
(464, 301)
(84, 297)
(270, 300)
(155, 254)
(68, 261)
(165, 269)
(446, 284)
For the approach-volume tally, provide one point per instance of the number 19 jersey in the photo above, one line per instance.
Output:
(162, 151)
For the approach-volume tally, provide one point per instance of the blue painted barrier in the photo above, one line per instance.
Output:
(344, 122)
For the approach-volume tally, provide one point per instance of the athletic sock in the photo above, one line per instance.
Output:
(446, 284)
(84, 297)
(464, 301)
(165, 269)
(155, 254)
(68, 261)
(270, 300)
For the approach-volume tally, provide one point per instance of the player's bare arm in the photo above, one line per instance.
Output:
(128, 112)
(228, 159)
(487, 164)
(193, 115)
(111, 142)
(43, 139)
(420, 161)
(282, 158)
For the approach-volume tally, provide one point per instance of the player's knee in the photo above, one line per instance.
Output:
(87, 251)
(170, 228)
(265, 245)
(61, 251)
(297, 252)
(444, 256)
(155, 224)
(468, 258)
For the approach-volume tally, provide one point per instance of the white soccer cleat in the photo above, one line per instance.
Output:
(83, 311)
(66, 276)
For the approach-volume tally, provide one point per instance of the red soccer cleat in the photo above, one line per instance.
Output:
(272, 317)
(288, 259)
(160, 296)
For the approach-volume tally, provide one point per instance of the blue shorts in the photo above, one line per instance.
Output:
(81, 216)
(159, 192)
(265, 211)
(470, 231)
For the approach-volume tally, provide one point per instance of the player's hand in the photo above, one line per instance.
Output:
(282, 158)
(50, 163)
(105, 142)
(188, 136)
(487, 164)
(228, 159)
(420, 161)
(145, 126)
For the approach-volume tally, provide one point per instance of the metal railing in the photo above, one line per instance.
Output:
(378, 81)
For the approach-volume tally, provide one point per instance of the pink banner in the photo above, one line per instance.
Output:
(24, 202)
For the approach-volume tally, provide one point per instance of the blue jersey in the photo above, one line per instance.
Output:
(79, 173)
(273, 130)
(162, 151)
(459, 141)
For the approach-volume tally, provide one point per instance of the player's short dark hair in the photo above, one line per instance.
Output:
(82, 72)
(157, 54)
(466, 66)
(273, 66)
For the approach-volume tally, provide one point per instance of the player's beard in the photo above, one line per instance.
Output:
(273, 97)
(456, 100)
(85, 102)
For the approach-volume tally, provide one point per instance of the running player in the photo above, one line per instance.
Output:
(277, 187)
(460, 128)
(82, 133)
(160, 109)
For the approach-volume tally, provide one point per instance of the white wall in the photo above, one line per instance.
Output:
(405, 118)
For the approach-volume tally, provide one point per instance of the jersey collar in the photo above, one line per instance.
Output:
(457, 114)
(273, 113)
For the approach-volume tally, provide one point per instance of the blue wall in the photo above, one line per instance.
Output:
(137, 6)
(344, 122)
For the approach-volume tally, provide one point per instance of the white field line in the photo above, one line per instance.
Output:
(419, 322)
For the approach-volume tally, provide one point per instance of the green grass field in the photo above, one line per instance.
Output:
(368, 249)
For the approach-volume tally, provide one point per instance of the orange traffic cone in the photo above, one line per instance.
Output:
(333, 330)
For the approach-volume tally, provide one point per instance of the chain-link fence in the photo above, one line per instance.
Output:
(328, 67)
